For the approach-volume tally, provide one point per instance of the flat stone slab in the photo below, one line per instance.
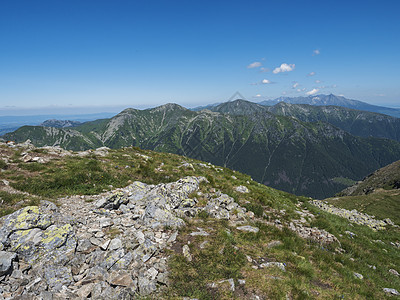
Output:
(248, 228)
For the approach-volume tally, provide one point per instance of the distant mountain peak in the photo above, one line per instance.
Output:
(331, 99)
(168, 107)
(60, 123)
(239, 107)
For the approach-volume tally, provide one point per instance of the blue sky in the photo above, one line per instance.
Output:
(115, 54)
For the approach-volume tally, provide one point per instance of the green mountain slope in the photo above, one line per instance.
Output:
(313, 159)
(387, 178)
(377, 194)
(325, 100)
(357, 122)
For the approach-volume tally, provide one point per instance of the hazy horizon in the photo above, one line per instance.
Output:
(84, 110)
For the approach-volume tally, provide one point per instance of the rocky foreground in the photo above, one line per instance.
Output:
(110, 246)
(354, 216)
(117, 245)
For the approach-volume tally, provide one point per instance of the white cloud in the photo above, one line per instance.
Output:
(284, 68)
(317, 81)
(266, 81)
(264, 69)
(295, 85)
(255, 64)
(258, 95)
(311, 74)
(312, 92)
(316, 52)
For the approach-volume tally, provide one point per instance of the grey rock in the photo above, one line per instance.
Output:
(124, 208)
(105, 245)
(248, 228)
(6, 261)
(146, 286)
(165, 217)
(26, 218)
(274, 264)
(57, 276)
(204, 244)
(172, 238)
(95, 241)
(105, 222)
(111, 258)
(123, 262)
(97, 288)
(242, 189)
(101, 202)
(17, 274)
(201, 232)
(121, 278)
(274, 244)
(115, 244)
(388, 221)
(145, 251)
(162, 278)
(186, 252)
(352, 215)
(151, 273)
(95, 274)
(35, 281)
(231, 283)
(391, 291)
(85, 290)
(84, 246)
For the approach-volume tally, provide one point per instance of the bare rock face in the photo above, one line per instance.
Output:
(6, 260)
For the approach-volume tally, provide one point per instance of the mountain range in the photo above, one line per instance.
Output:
(10, 123)
(295, 150)
(324, 100)
(357, 122)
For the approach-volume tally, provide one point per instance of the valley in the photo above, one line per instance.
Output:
(307, 150)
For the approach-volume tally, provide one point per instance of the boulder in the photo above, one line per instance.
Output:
(6, 261)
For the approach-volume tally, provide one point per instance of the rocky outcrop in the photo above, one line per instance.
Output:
(108, 248)
(353, 216)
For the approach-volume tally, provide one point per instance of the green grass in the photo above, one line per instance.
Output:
(313, 271)
(3, 164)
(219, 260)
(344, 181)
(382, 204)
(9, 200)
(32, 167)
